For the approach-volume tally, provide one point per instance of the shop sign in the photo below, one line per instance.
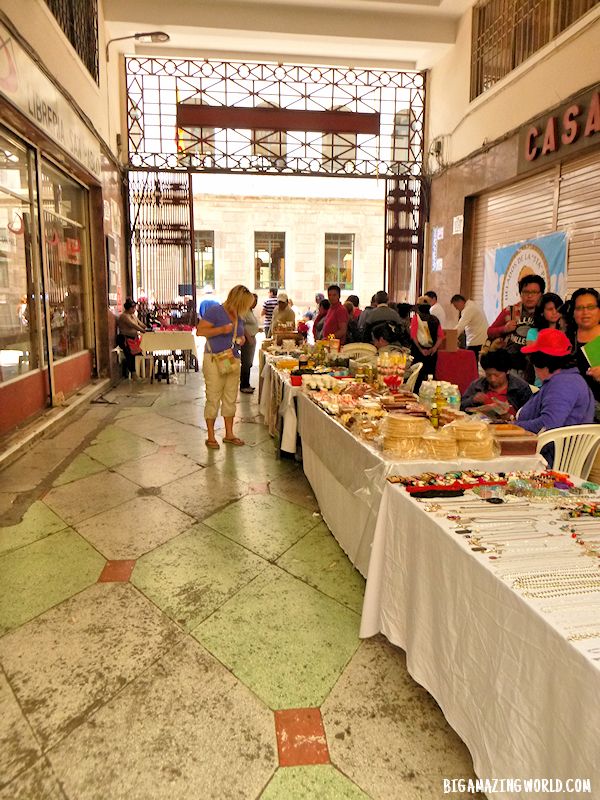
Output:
(24, 85)
(572, 127)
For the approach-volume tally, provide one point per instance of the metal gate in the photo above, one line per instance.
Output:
(161, 225)
(187, 116)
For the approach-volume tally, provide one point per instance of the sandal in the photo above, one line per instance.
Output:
(212, 443)
(237, 442)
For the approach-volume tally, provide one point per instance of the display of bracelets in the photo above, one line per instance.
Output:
(585, 509)
(459, 479)
(536, 486)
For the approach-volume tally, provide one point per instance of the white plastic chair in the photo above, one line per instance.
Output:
(413, 374)
(358, 349)
(575, 448)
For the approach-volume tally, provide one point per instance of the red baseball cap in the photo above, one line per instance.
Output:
(550, 341)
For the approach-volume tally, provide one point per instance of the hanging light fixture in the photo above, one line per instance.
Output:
(146, 37)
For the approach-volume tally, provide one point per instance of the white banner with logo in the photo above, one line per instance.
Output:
(505, 266)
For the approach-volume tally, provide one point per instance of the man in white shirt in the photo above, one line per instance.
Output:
(472, 321)
(436, 309)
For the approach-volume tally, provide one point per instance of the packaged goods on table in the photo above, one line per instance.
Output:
(391, 365)
(475, 439)
(287, 363)
(442, 393)
(441, 444)
(402, 435)
(367, 427)
(514, 440)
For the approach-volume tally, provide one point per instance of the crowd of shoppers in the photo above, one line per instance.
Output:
(540, 339)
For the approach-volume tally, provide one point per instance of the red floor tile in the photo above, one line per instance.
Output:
(258, 488)
(116, 571)
(301, 737)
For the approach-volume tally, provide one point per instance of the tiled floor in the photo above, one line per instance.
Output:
(178, 623)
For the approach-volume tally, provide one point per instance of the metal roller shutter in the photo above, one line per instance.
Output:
(511, 214)
(579, 215)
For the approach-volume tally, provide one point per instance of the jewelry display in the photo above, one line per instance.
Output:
(537, 531)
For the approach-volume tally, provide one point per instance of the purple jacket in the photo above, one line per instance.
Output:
(564, 399)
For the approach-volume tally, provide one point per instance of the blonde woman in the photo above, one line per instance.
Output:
(223, 327)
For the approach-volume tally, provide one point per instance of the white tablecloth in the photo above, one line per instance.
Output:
(157, 341)
(278, 407)
(522, 698)
(348, 477)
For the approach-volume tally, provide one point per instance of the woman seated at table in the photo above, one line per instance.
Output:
(130, 328)
(387, 338)
(584, 328)
(223, 326)
(565, 398)
(499, 386)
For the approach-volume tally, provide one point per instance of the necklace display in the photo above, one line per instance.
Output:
(537, 532)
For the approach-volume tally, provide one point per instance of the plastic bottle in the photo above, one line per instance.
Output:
(454, 398)
(439, 398)
(435, 416)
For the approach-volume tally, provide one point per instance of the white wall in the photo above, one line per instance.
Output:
(36, 24)
(305, 222)
(561, 69)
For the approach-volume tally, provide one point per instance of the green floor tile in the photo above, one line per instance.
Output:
(80, 467)
(320, 781)
(295, 488)
(111, 433)
(286, 641)
(251, 432)
(266, 524)
(37, 577)
(254, 464)
(38, 521)
(192, 575)
(319, 560)
(115, 446)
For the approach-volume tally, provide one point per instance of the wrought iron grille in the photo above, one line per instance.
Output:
(217, 116)
(79, 22)
(405, 216)
(160, 235)
(507, 32)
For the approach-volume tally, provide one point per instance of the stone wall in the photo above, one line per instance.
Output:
(305, 221)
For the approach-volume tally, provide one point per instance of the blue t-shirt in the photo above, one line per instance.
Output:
(217, 316)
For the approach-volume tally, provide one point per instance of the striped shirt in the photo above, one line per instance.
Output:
(269, 306)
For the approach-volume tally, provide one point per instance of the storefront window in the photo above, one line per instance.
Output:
(339, 259)
(20, 311)
(269, 260)
(65, 241)
(204, 242)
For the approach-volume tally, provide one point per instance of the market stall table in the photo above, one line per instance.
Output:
(170, 342)
(522, 697)
(348, 477)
